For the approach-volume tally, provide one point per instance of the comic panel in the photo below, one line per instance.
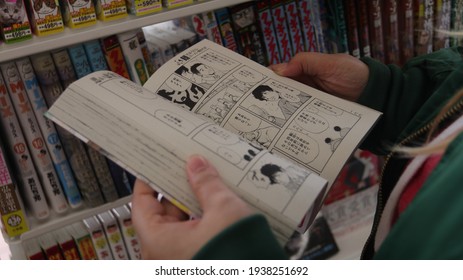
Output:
(274, 102)
(180, 91)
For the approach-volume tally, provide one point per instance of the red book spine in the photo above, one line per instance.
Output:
(406, 29)
(363, 28)
(391, 31)
(352, 28)
(376, 30)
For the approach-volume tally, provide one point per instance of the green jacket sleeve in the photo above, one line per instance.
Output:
(401, 92)
(248, 239)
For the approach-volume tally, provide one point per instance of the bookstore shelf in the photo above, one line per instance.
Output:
(100, 29)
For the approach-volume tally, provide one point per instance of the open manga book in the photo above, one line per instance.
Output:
(277, 143)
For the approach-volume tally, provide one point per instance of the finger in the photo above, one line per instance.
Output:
(173, 211)
(144, 201)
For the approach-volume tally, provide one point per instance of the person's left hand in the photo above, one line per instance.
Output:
(166, 233)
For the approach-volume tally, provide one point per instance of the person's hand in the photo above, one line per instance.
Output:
(338, 74)
(166, 233)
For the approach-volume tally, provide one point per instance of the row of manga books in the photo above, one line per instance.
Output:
(22, 19)
(107, 236)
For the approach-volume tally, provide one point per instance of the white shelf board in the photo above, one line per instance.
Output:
(102, 29)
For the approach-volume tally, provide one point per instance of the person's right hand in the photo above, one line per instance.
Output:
(338, 74)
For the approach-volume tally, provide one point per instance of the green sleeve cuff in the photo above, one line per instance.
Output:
(248, 239)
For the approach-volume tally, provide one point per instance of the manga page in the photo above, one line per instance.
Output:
(311, 128)
(152, 138)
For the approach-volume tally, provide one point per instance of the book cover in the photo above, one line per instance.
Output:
(16, 146)
(281, 28)
(442, 11)
(50, 247)
(247, 32)
(107, 10)
(133, 55)
(112, 51)
(226, 29)
(424, 26)
(376, 30)
(144, 7)
(14, 25)
(83, 240)
(212, 27)
(352, 16)
(363, 28)
(67, 244)
(79, 60)
(74, 149)
(197, 25)
(391, 31)
(37, 145)
(99, 239)
(79, 13)
(176, 3)
(114, 235)
(45, 17)
(124, 218)
(268, 31)
(95, 55)
(12, 212)
(306, 15)
(294, 26)
(406, 30)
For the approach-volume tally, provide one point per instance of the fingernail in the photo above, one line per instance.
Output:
(197, 164)
(279, 68)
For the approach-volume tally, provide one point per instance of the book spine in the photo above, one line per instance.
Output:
(50, 135)
(114, 56)
(307, 25)
(74, 149)
(391, 31)
(212, 28)
(146, 53)
(131, 241)
(35, 141)
(100, 166)
(363, 28)
(133, 56)
(114, 235)
(50, 247)
(31, 188)
(376, 30)
(79, 60)
(456, 22)
(321, 25)
(64, 66)
(99, 240)
(95, 55)
(294, 26)
(198, 26)
(338, 39)
(282, 30)
(32, 250)
(442, 10)
(12, 212)
(83, 241)
(268, 31)
(424, 26)
(67, 244)
(406, 25)
(352, 28)
(226, 29)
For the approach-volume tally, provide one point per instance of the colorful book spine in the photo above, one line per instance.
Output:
(95, 55)
(406, 30)
(99, 240)
(114, 56)
(363, 28)
(30, 186)
(281, 28)
(33, 136)
(50, 247)
(212, 28)
(352, 28)
(12, 212)
(226, 29)
(198, 26)
(424, 26)
(49, 132)
(376, 30)
(391, 31)
(307, 25)
(146, 53)
(114, 235)
(79, 60)
(123, 216)
(268, 30)
(67, 244)
(134, 57)
(294, 26)
(442, 15)
(83, 241)
(74, 149)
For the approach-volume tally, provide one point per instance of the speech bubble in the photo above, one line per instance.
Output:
(288, 93)
(220, 135)
(327, 108)
(248, 75)
(177, 83)
(243, 121)
(311, 122)
(229, 154)
(298, 145)
(216, 61)
(176, 121)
